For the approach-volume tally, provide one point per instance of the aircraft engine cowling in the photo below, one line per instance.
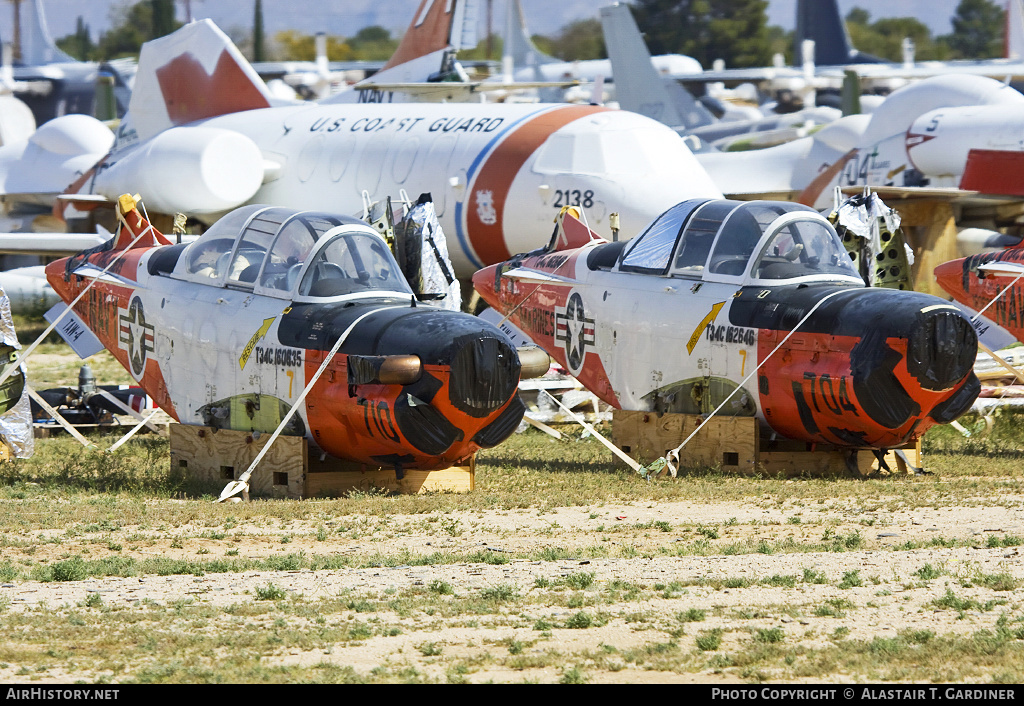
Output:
(871, 368)
(16, 120)
(939, 141)
(194, 170)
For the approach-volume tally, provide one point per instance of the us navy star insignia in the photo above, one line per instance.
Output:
(575, 330)
(135, 336)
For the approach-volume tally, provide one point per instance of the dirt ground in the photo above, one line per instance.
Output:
(892, 596)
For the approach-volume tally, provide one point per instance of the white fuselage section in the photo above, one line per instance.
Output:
(649, 322)
(198, 354)
(498, 174)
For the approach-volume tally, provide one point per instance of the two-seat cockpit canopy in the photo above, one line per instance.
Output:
(289, 254)
(739, 242)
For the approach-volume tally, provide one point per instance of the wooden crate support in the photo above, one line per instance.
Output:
(930, 229)
(289, 470)
(734, 445)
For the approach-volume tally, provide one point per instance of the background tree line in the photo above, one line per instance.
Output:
(736, 31)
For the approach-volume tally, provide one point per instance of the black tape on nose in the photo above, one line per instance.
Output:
(941, 349)
(484, 375)
(872, 363)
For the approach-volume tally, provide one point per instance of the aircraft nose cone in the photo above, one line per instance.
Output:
(484, 375)
(941, 349)
(474, 400)
(950, 276)
(941, 346)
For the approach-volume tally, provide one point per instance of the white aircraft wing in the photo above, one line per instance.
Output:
(732, 77)
(528, 276)
(52, 244)
(995, 68)
(1003, 269)
(93, 272)
(424, 89)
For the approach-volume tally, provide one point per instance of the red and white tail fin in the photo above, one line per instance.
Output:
(134, 230)
(191, 74)
(437, 26)
(571, 232)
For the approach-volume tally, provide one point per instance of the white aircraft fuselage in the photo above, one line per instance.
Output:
(498, 174)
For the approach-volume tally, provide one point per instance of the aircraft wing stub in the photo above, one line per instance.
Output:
(90, 271)
(29, 243)
(86, 198)
(1002, 269)
(528, 276)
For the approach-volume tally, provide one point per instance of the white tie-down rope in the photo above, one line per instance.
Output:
(671, 459)
(994, 299)
(995, 356)
(242, 484)
(28, 351)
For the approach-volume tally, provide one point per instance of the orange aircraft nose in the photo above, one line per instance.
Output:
(953, 276)
(870, 367)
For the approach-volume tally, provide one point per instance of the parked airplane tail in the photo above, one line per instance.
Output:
(640, 88)
(571, 232)
(1013, 34)
(820, 21)
(425, 55)
(192, 74)
(518, 45)
(436, 25)
(133, 231)
(37, 46)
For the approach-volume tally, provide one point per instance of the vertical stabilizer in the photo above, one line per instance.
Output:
(518, 45)
(6, 69)
(428, 34)
(427, 50)
(820, 21)
(191, 74)
(1013, 36)
(37, 46)
(638, 85)
(464, 25)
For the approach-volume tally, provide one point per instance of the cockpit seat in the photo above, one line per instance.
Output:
(330, 287)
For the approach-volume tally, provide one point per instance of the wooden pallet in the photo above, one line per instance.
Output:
(735, 445)
(289, 470)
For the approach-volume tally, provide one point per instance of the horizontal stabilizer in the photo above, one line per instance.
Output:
(527, 276)
(913, 192)
(51, 244)
(90, 271)
(1002, 269)
(74, 331)
(94, 199)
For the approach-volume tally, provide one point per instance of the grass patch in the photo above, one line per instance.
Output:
(709, 640)
(270, 592)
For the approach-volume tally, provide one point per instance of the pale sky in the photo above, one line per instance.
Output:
(346, 17)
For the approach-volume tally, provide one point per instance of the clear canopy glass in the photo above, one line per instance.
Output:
(725, 240)
(266, 249)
